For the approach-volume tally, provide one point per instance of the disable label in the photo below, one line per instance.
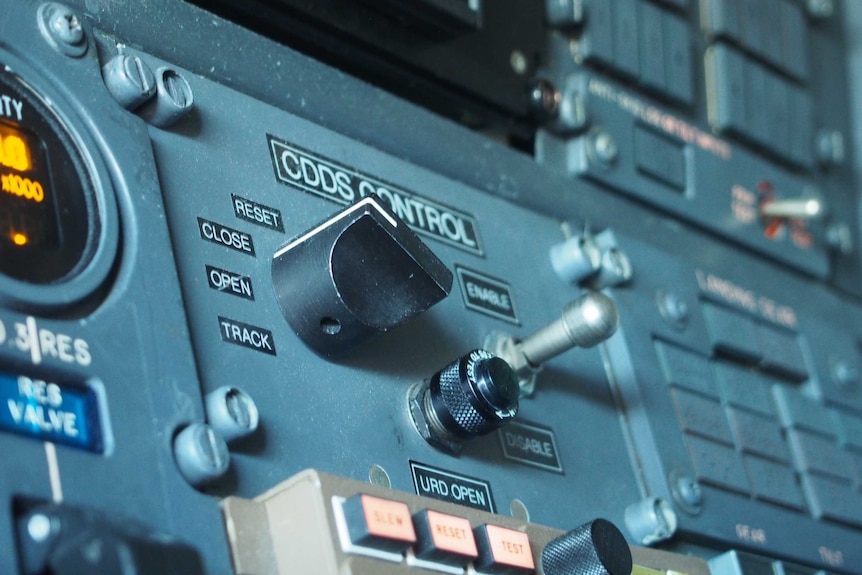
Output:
(60, 413)
(531, 445)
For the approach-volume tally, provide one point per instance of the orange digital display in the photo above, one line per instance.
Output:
(14, 149)
(22, 187)
(27, 214)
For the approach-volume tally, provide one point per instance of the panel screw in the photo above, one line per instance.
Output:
(651, 520)
(378, 476)
(820, 9)
(844, 374)
(62, 28)
(839, 237)
(201, 454)
(687, 492)
(174, 99)
(40, 527)
(830, 147)
(615, 269)
(543, 98)
(673, 309)
(129, 80)
(519, 63)
(232, 412)
(603, 148)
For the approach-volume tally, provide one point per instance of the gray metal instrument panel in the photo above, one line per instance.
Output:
(730, 392)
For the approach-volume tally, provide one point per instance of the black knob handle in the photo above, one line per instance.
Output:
(596, 548)
(472, 396)
(359, 273)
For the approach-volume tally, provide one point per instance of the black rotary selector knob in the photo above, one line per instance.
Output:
(472, 396)
(596, 548)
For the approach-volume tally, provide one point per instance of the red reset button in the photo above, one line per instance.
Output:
(444, 538)
(378, 523)
(503, 551)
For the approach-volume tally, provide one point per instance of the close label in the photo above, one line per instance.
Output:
(229, 237)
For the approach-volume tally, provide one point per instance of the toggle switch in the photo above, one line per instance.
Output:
(359, 273)
(585, 322)
(473, 396)
(810, 208)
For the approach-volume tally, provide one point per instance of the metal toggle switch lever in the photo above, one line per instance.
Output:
(585, 322)
(795, 209)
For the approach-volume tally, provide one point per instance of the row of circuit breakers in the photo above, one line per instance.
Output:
(474, 287)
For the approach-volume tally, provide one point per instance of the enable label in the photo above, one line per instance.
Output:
(50, 411)
(531, 445)
(314, 174)
(486, 295)
(447, 486)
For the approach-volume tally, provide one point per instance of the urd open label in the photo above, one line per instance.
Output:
(452, 487)
(487, 295)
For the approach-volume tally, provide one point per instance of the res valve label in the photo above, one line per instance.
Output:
(246, 335)
(447, 486)
(487, 295)
(338, 183)
(50, 411)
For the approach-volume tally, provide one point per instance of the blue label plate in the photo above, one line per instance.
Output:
(56, 412)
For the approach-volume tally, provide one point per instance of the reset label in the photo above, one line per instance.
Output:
(486, 295)
(257, 213)
(447, 486)
(530, 444)
(246, 335)
(338, 183)
(50, 411)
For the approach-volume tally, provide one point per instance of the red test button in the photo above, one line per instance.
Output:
(444, 538)
(378, 523)
(503, 551)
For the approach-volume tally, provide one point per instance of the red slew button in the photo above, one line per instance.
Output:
(378, 523)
